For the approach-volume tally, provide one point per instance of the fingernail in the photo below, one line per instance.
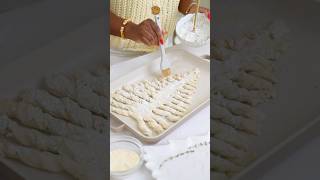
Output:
(209, 15)
(161, 41)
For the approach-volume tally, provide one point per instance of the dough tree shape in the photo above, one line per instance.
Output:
(155, 104)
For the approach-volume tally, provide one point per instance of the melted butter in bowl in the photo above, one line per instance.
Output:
(122, 160)
(125, 156)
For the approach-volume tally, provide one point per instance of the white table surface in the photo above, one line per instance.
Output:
(198, 124)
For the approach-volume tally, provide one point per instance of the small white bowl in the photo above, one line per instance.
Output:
(127, 142)
(184, 20)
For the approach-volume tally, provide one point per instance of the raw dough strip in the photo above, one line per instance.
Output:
(171, 110)
(28, 137)
(224, 165)
(179, 103)
(183, 95)
(228, 151)
(63, 108)
(91, 101)
(254, 42)
(164, 83)
(122, 99)
(173, 118)
(238, 108)
(142, 95)
(153, 124)
(192, 84)
(188, 87)
(231, 91)
(135, 90)
(119, 111)
(176, 107)
(182, 99)
(151, 92)
(31, 157)
(120, 105)
(238, 122)
(97, 84)
(161, 112)
(61, 86)
(251, 82)
(247, 63)
(166, 114)
(229, 135)
(141, 123)
(186, 92)
(129, 95)
(256, 69)
(161, 121)
(153, 84)
(170, 79)
(46, 161)
(33, 117)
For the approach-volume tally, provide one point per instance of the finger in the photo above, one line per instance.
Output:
(151, 31)
(146, 41)
(150, 36)
(156, 30)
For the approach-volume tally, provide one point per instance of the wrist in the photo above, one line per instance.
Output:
(190, 7)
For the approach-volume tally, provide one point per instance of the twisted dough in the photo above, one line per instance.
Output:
(155, 103)
(64, 108)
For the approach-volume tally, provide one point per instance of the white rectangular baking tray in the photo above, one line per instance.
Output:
(298, 98)
(282, 151)
(181, 61)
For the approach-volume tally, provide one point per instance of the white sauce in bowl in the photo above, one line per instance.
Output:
(201, 33)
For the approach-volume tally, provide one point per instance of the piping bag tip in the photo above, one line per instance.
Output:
(166, 72)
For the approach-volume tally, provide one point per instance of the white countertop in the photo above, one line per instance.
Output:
(199, 124)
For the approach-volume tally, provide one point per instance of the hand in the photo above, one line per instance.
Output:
(146, 32)
(204, 10)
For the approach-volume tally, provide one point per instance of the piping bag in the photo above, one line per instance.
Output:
(165, 63)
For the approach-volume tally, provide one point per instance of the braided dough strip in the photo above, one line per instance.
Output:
(230, 135)
(223, 165)
(97, 83)
(33, 117)
(228, 151)
(64, 108)
(238, 108)
(78, 91)
(28, 137)
(238, 122)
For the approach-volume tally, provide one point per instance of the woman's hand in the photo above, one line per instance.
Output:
(146, 32)
(204, 10)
